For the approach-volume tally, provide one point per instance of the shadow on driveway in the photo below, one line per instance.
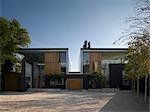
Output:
(126, 101)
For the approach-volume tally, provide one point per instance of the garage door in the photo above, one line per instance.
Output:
(74, 84)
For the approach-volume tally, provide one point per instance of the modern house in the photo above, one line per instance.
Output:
(45, 67)
(108, 64)
(49, 68)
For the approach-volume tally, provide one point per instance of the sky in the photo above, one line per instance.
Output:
(68, 23)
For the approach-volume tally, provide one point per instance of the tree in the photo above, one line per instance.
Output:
(140, 38)
(138, 58)
(137, 36)
(131, 68)
(12, 37)
(143, 8)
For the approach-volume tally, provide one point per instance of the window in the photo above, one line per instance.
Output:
(86, 69)
(62, 57)
(63, 70)
(125, 81)
(85, 62)
(86, 58)
(62, 60)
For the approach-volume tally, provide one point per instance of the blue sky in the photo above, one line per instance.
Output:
(67, 23)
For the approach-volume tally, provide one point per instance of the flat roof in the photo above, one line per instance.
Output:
(41, 49)
(104, 49)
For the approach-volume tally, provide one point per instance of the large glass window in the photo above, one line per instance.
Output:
(86, 68)
(86, 58)
(105, 67)
(63, 70)
(85, 62)
(62, 57)
(62, 60)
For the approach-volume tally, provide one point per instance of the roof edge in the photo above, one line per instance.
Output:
(105, 49)
(43, 49)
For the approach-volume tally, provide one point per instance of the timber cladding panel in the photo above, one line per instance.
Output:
(52, 64)
(13, 81)
(74, 84)
(95, 62)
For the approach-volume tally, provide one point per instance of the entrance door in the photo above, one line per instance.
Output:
(118, 78)
(115, 80)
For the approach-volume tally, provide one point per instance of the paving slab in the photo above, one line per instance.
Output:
(54, 101)
(72, 101)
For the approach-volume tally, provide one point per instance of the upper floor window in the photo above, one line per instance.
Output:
(62, 57)
(86, 58)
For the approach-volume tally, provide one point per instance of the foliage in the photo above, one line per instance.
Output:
(137, 37)
(96, 74)
(137, 24)
(12, 37)
(138, 57)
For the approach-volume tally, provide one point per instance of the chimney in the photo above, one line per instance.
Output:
(85, 44)
(89, 45)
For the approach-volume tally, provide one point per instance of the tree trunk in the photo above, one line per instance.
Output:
(0, 79)
(145, 92)
(134, 85)
(137, 86)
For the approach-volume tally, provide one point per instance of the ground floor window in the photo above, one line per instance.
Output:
(54, 81)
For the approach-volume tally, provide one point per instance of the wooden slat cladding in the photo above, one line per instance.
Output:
(95, 62)
(13, 81)
(52, 64)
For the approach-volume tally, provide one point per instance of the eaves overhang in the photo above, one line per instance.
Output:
(104, 50)
(34, 50)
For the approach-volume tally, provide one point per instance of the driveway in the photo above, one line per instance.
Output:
(72, 101)
(126, 101)
(54, 101)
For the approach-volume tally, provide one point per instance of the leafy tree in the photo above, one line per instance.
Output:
(131, 68)
(139, 39)
(12, 37)
(138, 57)
(137, 36)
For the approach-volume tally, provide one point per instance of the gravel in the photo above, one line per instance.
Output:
(54, 101)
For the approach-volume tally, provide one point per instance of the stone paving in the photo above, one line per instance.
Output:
(71, 101)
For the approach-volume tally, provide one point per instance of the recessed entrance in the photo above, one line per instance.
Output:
(118, 78)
